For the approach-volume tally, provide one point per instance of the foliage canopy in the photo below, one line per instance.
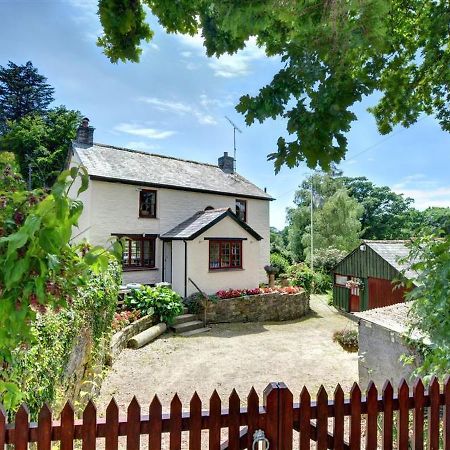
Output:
(22, 91)
(333, 53)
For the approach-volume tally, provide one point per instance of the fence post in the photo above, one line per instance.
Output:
(286, 417)
(271, 405)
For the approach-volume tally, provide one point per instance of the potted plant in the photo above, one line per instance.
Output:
(271, 272)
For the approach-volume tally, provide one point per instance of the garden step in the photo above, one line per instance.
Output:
(185, 318)
(194, 332)
(187, 326)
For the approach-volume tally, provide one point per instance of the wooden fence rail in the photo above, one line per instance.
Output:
(411, 418)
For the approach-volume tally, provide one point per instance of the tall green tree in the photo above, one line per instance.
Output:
(333, 53)
(386, 215)
(336, 225)
(324, 185)
(22, 91)
(42, 143)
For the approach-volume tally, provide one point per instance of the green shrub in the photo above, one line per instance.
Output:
(326, 259)
(280, 262)
(165, 302)
(347, 339)
(303, 276)
(40, 370)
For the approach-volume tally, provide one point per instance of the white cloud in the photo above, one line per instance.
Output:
(195, 42)
(200, 113)
(186, 54)
(238, 64)
(141, 145)
(425, 192)
(150, 133)
(216, 102)
(226, 66)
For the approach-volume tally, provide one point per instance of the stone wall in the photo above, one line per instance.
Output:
(380, 350)
(120, 339)
(272, 307)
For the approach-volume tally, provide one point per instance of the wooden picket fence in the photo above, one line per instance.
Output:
(410, 418)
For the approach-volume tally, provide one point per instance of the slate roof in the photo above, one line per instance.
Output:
(202, 221)
(105, 162)
(392, 251)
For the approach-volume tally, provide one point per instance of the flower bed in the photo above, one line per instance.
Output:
(276, 304)
(235, 293)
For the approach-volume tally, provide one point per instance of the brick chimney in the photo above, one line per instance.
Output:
(226, 163)
(85, 133)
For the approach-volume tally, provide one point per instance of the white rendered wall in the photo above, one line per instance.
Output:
(211, 281)
(178, 249)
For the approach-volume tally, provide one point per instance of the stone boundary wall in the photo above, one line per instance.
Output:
(380, 353)
(273, 307)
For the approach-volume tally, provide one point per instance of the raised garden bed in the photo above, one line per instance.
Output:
(120, 339)
(271, 306)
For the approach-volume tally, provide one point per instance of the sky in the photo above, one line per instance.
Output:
(174, 102)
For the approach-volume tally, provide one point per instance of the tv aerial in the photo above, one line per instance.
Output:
(235, 127)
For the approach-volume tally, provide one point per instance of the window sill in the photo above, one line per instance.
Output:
(138, 269)
(147, 217)
(225, 270)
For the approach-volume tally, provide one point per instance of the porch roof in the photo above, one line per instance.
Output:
(202, 221)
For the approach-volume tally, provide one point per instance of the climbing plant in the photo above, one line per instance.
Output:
(40, 269)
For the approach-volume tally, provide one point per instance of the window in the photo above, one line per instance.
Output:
(138, 252)
(241, 209)
(340, 280)
(225, 254)
(147, 203)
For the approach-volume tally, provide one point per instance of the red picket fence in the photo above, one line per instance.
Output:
(412, 418)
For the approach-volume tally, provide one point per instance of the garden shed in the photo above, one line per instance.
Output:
(364, 279)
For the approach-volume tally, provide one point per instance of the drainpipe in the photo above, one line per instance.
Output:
(163, 276)
(185, 268)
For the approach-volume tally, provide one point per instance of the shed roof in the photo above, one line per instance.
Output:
(201, 222)
(109, 163)
(393, 251)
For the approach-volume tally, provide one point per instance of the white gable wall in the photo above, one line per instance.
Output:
(211, 281)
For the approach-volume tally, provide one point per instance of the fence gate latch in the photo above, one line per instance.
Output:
(259, 436)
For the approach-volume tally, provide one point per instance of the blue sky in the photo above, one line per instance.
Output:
(175, 100)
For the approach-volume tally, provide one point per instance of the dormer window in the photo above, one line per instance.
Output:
(241, 209)
(147, 203)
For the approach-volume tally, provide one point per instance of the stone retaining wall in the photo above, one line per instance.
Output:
(120, 339)
(273, 307)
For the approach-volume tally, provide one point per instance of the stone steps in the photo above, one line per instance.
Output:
(188, 324)
(194, 332)
(183, 318)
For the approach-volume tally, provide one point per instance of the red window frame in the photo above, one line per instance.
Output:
(244, 202)
(129, 240)
(223, 256)
(146, 191)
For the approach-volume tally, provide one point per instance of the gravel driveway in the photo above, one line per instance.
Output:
(237, 356)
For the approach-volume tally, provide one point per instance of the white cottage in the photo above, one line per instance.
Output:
(185, 222)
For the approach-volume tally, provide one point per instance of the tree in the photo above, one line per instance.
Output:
(22, 91)
(299, 218)
(431, 301)
(386, 215)
(42, 143)
(336, 225)
(434, 218)
(333, 53)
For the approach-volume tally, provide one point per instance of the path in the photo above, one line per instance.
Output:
(235, 356)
